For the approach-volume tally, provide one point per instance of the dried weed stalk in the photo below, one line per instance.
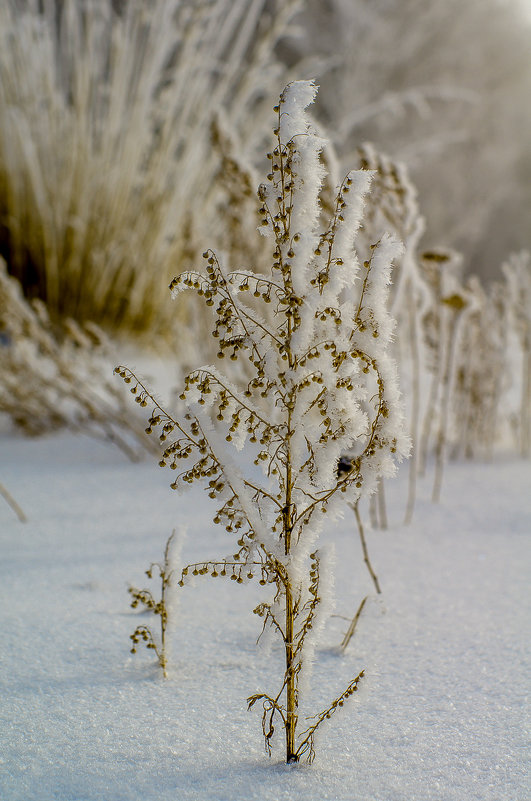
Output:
(12, 503)
(146, 599)
(393, 206)
(517, 274)
(308, 379)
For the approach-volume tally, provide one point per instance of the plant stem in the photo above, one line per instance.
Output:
(373, 511)
(13, 504)
(291, 698)
(429, 416)
(415, 407)
(525, 428)
(382, 512)
(162, 658)
(440, 445)
(291, 695)
(351, 629)
(166, 578)
(365, 549)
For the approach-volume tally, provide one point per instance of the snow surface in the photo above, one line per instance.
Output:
(440, 715)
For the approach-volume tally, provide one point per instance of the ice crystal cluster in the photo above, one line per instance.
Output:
(308, 380)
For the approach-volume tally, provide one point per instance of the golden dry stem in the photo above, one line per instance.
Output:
(352, 628)
(13, 504)
(364, 548)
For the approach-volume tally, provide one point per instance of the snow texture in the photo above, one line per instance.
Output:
(440, 715)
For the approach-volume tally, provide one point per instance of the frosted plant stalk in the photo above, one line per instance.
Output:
(315, 381)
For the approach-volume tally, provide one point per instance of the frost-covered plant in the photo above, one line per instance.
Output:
(146, 599)
(482, 373)
(439, 267)
(393, 206)
(238, 206)
(492, 395)
(475, 346)
(441, 331)
(56, 376)
(309, 379)
(454, 306)
(517, 274)
(106, 162)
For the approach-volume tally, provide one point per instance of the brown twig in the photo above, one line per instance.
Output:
(365, 549)
(13, 504)
(352, 628)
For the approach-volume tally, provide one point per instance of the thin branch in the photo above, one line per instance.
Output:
(365, 549)
(13, 504)
(306, 744)
(352, 628)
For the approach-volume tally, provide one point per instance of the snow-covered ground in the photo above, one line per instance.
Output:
(440, 715)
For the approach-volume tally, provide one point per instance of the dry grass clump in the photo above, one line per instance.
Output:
(106, 161)
(55, 376)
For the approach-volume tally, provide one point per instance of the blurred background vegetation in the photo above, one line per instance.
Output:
(130, 131)
(132, 138)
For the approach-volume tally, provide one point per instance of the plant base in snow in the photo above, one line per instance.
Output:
(146, 599)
